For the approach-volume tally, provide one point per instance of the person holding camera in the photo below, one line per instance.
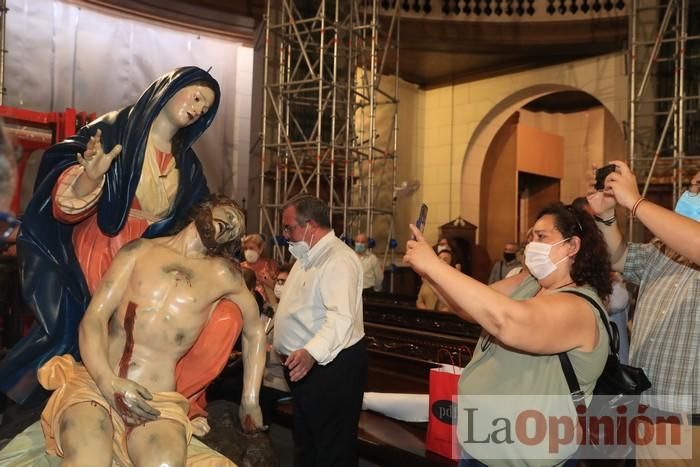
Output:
(526, 323)
(678, 229)
(666, 327)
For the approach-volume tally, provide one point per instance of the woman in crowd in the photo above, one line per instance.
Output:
(265, 269)
(427, 298)
(527, 323)
(618, 312)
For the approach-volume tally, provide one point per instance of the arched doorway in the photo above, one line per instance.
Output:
(536, 151)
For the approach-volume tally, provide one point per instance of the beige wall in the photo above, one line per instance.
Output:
(540, 151)
(455, 125)
(583, 135)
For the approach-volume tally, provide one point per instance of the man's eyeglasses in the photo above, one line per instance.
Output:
(289, 228)
(8, 224)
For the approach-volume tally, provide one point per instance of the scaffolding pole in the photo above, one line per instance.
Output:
(662, 97)
(3, 50)
(323, 67)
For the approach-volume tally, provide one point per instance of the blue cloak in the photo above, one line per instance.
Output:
(53, 285)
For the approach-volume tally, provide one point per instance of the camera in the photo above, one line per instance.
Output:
(601, 174)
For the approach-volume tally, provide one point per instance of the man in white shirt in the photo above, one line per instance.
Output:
(372, 271)
(319, 334)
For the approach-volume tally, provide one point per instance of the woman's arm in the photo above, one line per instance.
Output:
(507, 286)
(603, 206)
(680, 233)
(543, 325)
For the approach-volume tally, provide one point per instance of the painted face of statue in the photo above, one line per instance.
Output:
(189, 104)
(218, 225)
(227, 222)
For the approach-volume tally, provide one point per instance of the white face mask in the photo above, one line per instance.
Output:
(278, 290)
(300, 249)
(537, 259)
(251, 256)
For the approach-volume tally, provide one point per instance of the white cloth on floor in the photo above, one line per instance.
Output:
(404, 407)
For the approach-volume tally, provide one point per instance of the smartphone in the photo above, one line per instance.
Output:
(601, 174)
(422, 216)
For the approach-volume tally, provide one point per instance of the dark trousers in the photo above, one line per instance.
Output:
(327, 404)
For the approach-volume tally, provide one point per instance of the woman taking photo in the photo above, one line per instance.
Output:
(527, 323)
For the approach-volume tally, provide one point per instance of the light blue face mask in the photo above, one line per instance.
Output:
(689, 206)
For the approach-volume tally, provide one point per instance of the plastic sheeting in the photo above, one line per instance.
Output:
(62, 55)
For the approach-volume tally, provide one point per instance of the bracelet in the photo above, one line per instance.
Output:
(605, 221)
(636, 205)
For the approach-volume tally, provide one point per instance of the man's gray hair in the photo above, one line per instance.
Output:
(310, 208)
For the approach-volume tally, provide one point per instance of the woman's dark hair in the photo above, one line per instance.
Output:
(284, 267)
(249, 278)
(177, 143)
(452, 256)
(592, 262)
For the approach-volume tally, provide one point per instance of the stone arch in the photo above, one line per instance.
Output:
(491, 123)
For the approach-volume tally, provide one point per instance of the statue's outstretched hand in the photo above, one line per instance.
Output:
(129, 398)
(200, 427)
(95, 161)
(251, 418)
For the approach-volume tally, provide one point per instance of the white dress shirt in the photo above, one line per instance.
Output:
(372, 274)
(321, 304)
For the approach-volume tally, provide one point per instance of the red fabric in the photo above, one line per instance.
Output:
(265, 270)
(208, 356)
(62, 216)
(96, 250)
(163, 159)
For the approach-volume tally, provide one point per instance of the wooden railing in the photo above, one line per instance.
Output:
(504, 10)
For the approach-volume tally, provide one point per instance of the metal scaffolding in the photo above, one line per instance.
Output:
(3, 51)
(323, 67)
(664, 121)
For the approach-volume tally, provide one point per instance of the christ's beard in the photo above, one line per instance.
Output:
(205, 228)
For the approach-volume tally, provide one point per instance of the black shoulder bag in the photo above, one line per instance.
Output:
(619, 385)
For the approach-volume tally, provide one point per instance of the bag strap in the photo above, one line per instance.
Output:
(577, 395)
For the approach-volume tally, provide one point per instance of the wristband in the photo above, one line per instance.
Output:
(636, 205)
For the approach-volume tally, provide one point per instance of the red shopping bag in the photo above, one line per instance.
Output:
(442, 417)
